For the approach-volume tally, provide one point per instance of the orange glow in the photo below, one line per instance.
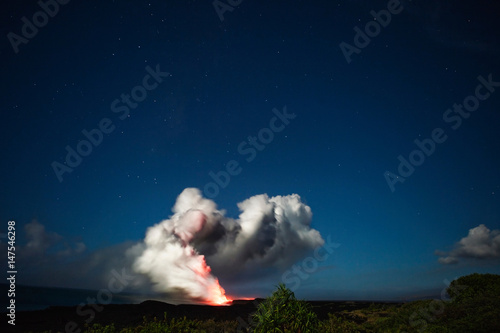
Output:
(246, 298)
(218, 295)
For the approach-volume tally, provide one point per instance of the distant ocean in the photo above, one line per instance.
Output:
(38, 298)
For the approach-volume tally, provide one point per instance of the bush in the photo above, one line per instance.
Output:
(474, 307)
(475, 303)
(282, 312)
(474, 286)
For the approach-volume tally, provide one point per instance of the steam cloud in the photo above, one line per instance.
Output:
(183, 255)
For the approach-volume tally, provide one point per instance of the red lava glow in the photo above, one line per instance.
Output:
(218, 295)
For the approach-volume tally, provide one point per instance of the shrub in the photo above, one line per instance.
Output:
(282, 312)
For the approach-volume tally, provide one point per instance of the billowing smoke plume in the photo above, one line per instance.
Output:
(183, 255)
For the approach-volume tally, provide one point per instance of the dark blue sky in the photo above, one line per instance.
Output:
(353, 120)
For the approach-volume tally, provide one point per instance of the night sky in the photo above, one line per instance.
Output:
(392, 140)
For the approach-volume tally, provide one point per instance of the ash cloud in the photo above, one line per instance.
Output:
(270, 234)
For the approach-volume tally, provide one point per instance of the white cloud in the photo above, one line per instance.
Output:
(480, 243)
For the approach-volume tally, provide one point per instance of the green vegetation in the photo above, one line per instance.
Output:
(473, 306)
(283, 313)
(174, 325)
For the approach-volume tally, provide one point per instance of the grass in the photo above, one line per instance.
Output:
(174, 325)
